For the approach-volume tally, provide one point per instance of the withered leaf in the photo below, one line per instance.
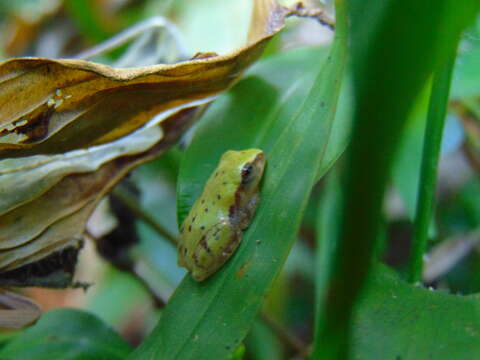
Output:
(16, 311)
(65, 105)
(71, 129)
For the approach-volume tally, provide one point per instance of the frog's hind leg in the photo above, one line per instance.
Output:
(214, 249)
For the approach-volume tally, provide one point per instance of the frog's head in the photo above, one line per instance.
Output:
(247, 168)
(252, 170)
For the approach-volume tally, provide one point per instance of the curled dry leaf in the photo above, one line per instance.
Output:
(16, 311)
(71, 129)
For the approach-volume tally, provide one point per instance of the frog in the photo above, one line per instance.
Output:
(213, 228)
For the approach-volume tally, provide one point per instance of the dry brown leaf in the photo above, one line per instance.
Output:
(71, 129)
(65, 105)
(55, 219)
(17, 311)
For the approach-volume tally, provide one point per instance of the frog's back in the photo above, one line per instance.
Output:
(218, 195)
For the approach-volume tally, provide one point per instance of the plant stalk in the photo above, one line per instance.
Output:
(428, 177)
(133, 205)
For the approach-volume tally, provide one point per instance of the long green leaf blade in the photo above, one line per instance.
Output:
(66, 334)
(395, 47)
(395, 320)
(208, 320)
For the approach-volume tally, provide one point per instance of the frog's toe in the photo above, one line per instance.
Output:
(200, 275)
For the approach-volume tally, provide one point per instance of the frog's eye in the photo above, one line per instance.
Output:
(247, 174)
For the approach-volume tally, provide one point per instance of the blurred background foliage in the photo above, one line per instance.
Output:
(54, 28)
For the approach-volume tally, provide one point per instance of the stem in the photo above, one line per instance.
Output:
(443, 257)
(290, 340)
(157, 300)
(133, 205)
(472, 158)
(428, 177)
(469, 114)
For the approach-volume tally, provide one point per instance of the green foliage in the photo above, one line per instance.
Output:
(387, 79)
(292, 140)
(395, 320)
(466, 77)
(66, 334)
(375, 88)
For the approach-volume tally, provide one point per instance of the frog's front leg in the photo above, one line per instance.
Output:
(213, 250)
(247, 212)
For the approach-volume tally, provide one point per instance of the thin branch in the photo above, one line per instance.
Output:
(133, 205)
(295, 344)
(320, 15)
(470, 120)
(158, 300)
(472, 158)
(443, 257)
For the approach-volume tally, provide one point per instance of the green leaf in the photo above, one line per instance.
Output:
(393, 55)
(327, 228)
(68, 335)
(87, 19)
(208, 320)
(262, 344)
(408, 160)
(205, 35)
(466, 77)
(395, 320)
(128, 293)
(256, 110)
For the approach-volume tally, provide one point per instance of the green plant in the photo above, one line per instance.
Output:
(336, 124)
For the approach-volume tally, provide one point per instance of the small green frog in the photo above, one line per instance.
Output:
(213, 229)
